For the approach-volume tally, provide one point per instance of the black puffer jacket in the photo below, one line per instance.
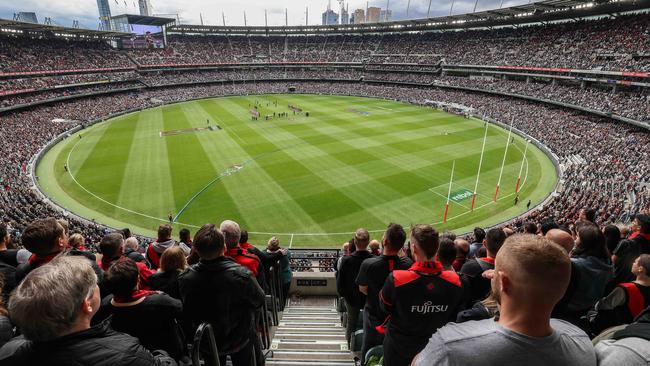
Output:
(97, 346)
(226, 295)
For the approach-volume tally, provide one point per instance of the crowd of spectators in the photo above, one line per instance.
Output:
(534, 294)
(634, 104)
(25, 98)
(617, 44)
(22, 84)
(22, 54)
(132, 313)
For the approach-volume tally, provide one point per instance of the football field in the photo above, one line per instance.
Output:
(310, 180)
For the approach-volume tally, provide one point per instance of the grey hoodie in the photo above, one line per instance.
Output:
(161, 246)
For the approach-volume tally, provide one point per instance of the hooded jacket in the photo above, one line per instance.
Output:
(155, 251)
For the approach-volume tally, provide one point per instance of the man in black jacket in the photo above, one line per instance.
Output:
(472, 270)
(346, 280)
(54, 318)
(220, 291)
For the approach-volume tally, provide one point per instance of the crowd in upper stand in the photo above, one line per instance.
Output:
(611, 44)
(23, 54)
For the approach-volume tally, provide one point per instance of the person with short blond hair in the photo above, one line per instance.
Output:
(77, 241)
(531, 275)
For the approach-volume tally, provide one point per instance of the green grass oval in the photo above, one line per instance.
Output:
(354, 162)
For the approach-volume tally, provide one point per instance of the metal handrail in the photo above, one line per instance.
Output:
(212, 358)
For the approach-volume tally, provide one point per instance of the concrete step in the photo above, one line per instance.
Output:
(311, 316)
(310, 330)
(274, 362)
(334, 356)
(309, 336)
(325, 345)
(299, 324)
(310, 319)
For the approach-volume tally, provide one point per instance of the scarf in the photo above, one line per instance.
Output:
(133, 296)
(36, 261)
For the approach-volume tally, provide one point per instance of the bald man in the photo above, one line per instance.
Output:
(531, 275)
(462, 251)
(562, 238)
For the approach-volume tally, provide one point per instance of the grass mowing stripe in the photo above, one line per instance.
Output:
(147, 169)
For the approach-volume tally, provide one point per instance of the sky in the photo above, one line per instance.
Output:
(63, 12)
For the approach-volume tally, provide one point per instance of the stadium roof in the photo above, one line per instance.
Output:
(7, 26)
(543, 11)
(144, 20)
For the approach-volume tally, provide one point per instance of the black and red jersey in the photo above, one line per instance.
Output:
(373, 273)
(418, 301)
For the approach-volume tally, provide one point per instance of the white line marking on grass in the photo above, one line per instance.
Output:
(458, 203)
(291, 241)
(388, 109)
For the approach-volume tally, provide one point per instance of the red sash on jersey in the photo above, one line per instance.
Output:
(635, 300)
(153, 256)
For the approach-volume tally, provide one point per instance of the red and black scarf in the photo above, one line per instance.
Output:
(36, 261)
(134, 296)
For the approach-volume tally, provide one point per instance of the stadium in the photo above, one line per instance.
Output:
(346, 188)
